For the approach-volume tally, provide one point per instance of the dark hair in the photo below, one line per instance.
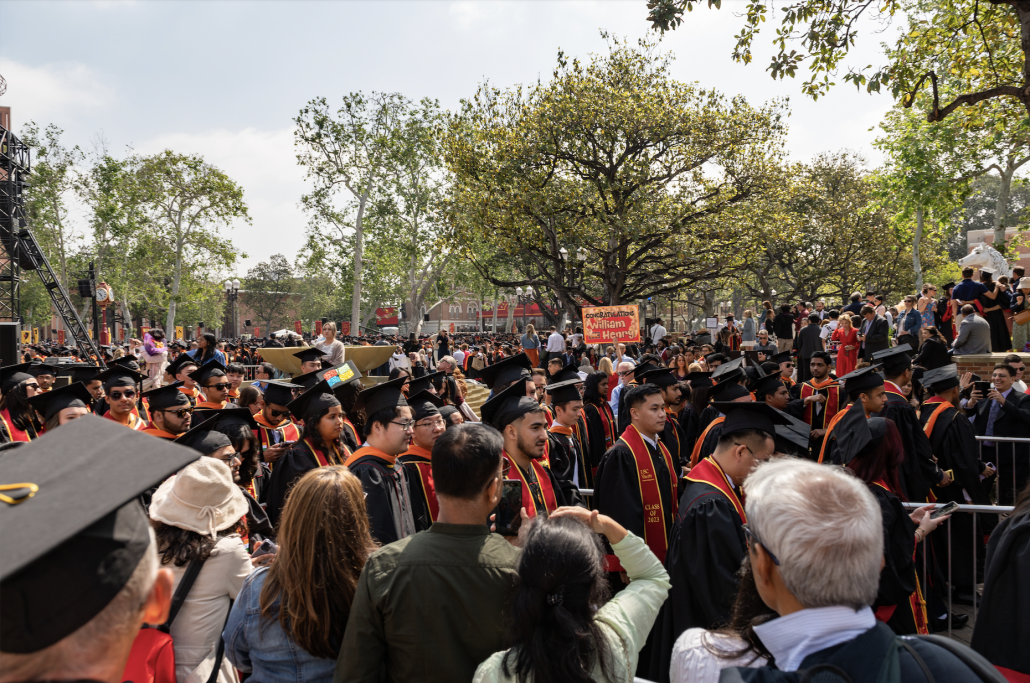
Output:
(823, 356)
(181, 546)
(396, 372)
(249, 395)
(234, 368)
(867, 309)
(813, 318)
(209, 351)
(552, 630)
(267, 368)
(465, 459)
(157, 333)
(785, 308)
(856, 296)
(748, 611)
(770, 367)
(880, 461)
(23, 415)
(591, 394)
(638, 394)
(967, 272)
(1022, 502)
(382, 416)
(250, 458)
(1007, 368)
(751, 437)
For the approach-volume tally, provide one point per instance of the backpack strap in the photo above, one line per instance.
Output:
(919, 660)
(183, 589)
(976, 662)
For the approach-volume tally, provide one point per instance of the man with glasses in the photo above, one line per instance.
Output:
(180, 369)
(120, 392)
(765, 348)
(429, 425)
(707, 543)
(1015, 361)
(214, 385)
(170, 412)
(387, 432)
(275, 431)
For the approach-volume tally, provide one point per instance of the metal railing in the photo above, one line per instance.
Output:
(997, 440)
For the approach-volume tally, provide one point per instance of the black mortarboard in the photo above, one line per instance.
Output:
(796, 431)
(858, 435)
(44, 368)
(662, 377)
(207, 371)
(769, 384)
(743, 415)
(507, 370)
(127, 362)
(279, 392)
(730, 369)
(699, 379)
(309, 354)
(13, 375)
(52, 402)
(728, 391)
(862, 380)
(229, 415)
(424, 404)
(338, 376)
(508, 406)
(202, 439)
(76, 532)
(181, 361)
(569, 372)
(754, 375)
(941, 379)
(422, 383)
(384, 395)
(563, 392)
(781, 357)
(308, 379)
(120, 376)
(447, 411)
(166, 397)
(316, 399)
(81, 373)
(895, 360)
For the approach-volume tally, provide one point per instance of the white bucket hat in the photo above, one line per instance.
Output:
(201, 497)
(1024, 283)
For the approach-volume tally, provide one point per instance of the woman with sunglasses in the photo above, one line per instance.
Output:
(18, 421)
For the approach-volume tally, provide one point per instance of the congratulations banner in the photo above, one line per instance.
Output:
(604, 324)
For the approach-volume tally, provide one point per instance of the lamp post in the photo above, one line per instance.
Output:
(232, 294)
(524, 301)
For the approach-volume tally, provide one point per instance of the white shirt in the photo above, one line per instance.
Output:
(555, 343)
(693, 662)
(1020, 386)
(828, 329)
(792, 638)
(614, 403)
(657, 332)
(459, 356)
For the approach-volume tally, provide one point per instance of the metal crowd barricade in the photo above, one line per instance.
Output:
(998, 441)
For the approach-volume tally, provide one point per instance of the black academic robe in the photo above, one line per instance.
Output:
(566, 460)
(387, 498)
(624, 416)
(898, 579)
(710, 443)
(259, 527)
(676, 441)
(1002, 629)
(954, 443)
(690, 424)
(293, 465)
(420, 510)
(707, 415)
(597, 439)
(918, 470)
(705, 552)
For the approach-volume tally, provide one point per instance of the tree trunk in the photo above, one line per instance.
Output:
(355, 304)
(493, 325)
(1001, 207)
(176, 280)
(511, 315)
(917, 266)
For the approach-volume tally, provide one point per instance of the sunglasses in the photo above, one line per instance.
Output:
(117, 395)
(221, 386)
(623, 373)
(278, 413)
(179, 412)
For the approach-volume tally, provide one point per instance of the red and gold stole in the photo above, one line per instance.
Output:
(331, 456)
(15, 433)
(289, 431)
(831, 406)
(425, 475)
(134, 421)
(670, 414)
(942, 405)
(829, 429)
(390, 460)
(695, 455)
(548, 415)
(916, 602)
(892, 388)
(655, 534)
(347, 424)
(234, 395)
(546, 489)
(608, 424)
(708, 472)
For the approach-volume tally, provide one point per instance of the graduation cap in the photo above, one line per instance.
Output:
(858, 435)
(744, 415)
(419, 384)
(862, 380)
(227, 416)
(445, 412)
(37, 369)
(308, 379)
(309, 354)
(74, 532)
(767, 385)
(728, 391)
(663, 377)
(424, 404)
(563, 392)
(166, 397)
(796, 431)
(207, 371)
(52, 402)
(508, 406)
(13, 375)
(941, 379)
(279, 392)
(384, 395)
(81, 373)
(202, 439)
(754, 375)
(782, 357)
(699, 379)
(120, 376)
(316, 399)
(181, 361)
(895, 360)
(127, 362)
(338, 376)
(730, 369)
(507, 371)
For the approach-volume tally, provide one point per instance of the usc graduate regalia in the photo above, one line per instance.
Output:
(387, 493)
(899, 600)
(12, 431)
(675, 440)
(918, 470)
(419, 465)
(541, 492)
(706, 548)
(268, 434)
(349, 436)
(690, 425)
(706, 418)
(600, 423)
(828, 451)
(135, 421)
(211, 405)
(159, 433)
(294, 464)
(819, 415)
(193, 395)
(707, 441)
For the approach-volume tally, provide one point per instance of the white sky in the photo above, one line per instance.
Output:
(226, 78)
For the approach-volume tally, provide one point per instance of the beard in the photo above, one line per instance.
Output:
(528, 447)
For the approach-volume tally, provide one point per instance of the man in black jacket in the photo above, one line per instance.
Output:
(809, 341)
(1005, 413)
(783, 328)
(874, 333)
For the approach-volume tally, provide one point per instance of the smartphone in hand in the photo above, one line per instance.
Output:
(944, 510)
(508, 514)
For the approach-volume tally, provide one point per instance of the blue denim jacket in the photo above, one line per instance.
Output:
(262, 647)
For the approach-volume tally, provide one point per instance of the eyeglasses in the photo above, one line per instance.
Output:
(221, 386)
(117, 395)
(179, 412)
(751, 538)
(229, 457)
(34, 385)
(439, 422)
(278, 413)
(406, 426)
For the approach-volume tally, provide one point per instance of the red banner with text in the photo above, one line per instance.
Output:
(345, 328)
(386, 317)
(318, 327)
(298, 327)
(611, 324)
(257, 331)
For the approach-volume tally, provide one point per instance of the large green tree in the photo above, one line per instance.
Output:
(268, 291)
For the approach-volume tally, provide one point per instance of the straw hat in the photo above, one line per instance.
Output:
(201, 497)
(1024, 283)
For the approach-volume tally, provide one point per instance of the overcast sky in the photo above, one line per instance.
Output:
(225, 78)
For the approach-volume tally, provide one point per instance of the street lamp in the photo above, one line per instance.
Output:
(232, 293)
(524, 301)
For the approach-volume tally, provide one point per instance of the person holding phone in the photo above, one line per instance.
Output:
(275, 431)
(418, 459)
(1006, 412)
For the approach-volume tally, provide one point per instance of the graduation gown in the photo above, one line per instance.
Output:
(918, 470)
(568, 460)
(268, 434)
(706, 417)
(600, 424)
(294, 464)
(349, 436)
(387, 494)
(419, 469)
(1002, 628)
(690, 425)
(705, 552)
(541, 491)
(707, 441)
(954, 443)
(676, 441)
(899, 601)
